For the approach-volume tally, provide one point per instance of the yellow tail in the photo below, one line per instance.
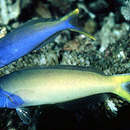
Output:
(72, 21)
(122, 85)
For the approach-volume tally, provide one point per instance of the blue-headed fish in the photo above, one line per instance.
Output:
(57, 84)
(31, 34)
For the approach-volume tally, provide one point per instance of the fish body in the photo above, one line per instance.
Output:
(24, 39)
(30, 35)
(51, 85)
(59, 84)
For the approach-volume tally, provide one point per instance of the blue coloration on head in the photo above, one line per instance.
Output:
(9, 100)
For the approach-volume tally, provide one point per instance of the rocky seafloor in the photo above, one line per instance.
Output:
(109, 22)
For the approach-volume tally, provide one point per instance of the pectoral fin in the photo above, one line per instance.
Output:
(24, 115)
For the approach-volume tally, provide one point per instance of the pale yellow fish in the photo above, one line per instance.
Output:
(59, 84)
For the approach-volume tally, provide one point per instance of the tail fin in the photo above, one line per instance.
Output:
(123, 82)
(72, 24)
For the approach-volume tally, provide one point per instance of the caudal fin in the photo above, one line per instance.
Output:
(122, 86)
(72, 23)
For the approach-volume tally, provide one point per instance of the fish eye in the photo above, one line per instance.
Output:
(126, 86)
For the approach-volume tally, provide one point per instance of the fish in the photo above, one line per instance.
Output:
(33, 34)
(49, 85)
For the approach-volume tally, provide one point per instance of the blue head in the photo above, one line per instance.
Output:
(9, 100)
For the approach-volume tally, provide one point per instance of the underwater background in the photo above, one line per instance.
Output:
(109, 22)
